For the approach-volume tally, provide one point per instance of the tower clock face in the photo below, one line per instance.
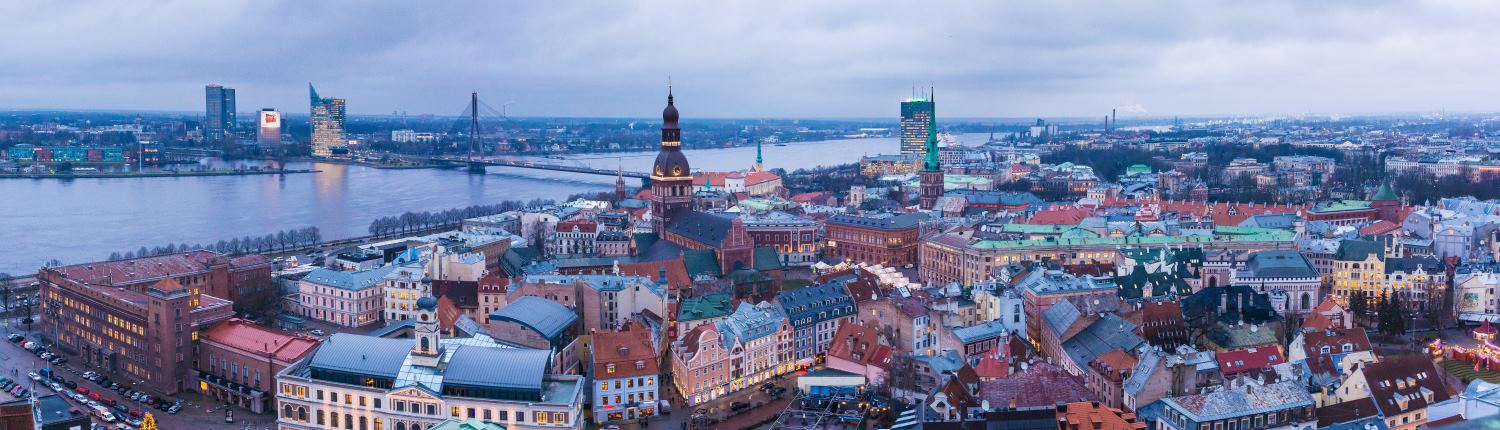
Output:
(658, 170)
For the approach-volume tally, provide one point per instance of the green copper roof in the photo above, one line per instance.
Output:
(1340, 206)
(757, 152)
(931, 162)
(1221, 234)
(1385, 192)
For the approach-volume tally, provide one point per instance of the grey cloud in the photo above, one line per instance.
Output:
(758, 59)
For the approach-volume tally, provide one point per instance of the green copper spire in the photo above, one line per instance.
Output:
(931, 163)
(757, 152)
(1385, 192)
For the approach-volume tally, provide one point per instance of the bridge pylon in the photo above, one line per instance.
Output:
(476, 168)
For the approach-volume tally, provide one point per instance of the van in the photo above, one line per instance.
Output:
(104, 414)
(664, 406)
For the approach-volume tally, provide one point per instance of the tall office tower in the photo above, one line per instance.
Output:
(270, 129)
(327, 121)
(916, 122)
(219, 111)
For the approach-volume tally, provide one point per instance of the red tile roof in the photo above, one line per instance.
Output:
(1041, 384)
(1244, 360)
(860, 344)
(253, 339)
(124, 272)
(624, 349)
(1379, 228)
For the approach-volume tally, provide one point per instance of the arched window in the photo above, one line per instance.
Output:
(302, 414)
(1306, 300)
(425, 342)
(286, 410)
(349, 421)
(400, 426)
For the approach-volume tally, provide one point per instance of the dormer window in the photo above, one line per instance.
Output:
(640, 364)
(609, 368)
(1323, 350)
(1348, 347)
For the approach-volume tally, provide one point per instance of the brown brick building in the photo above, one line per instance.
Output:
(885, 238)
(138, 320)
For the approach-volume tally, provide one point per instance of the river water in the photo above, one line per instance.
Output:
(82, 220)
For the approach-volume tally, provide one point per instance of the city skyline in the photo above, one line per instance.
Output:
(991, 60)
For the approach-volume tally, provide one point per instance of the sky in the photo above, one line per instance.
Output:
(760, 59)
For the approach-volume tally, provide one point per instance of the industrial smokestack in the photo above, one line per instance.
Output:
(1113, 120)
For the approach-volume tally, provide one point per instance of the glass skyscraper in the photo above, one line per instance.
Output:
(327, 121)
(916, 123)
(219, 117)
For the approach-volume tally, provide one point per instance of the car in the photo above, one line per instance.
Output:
(108, 402)
(45, 355)
(739, 406)
(164, 406)
(137, 414)
(69, 384)
(93, 403)
(777, 391)
(95, 395)
(174, 409)
(25, 393)
(58, 359)
(123, 409)
(317, 332)
(90, 375)
(79, 397)
(56, 377)
(123, 426)
(665, 407)
(57, 387)
(15, 337)
(82, 390)
(34, 376)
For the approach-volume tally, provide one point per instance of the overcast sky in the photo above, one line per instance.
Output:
(759, 58)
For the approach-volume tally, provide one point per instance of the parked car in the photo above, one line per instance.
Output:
(70, 384)
(174, 409)
(15, 337)
(81, 390)
(109, 402)
(739, 406)
(34, 376)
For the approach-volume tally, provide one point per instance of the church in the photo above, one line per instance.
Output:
(710, 243)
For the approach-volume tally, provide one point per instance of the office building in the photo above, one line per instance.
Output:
(270, 129)
(374, 383)
(139, 319)
(916, 124)
(219, 116)
(327, 122)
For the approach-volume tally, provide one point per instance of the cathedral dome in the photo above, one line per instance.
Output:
(671, 164)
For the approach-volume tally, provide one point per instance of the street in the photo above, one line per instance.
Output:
(197, 412)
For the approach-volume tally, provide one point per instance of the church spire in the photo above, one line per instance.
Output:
(757, 167)
(931, 163)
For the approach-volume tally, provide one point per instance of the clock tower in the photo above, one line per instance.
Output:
(671, 179)
(428, 348)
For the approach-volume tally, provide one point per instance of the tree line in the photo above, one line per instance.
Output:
(278, 241)
(417, 221)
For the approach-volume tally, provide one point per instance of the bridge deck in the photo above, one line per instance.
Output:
(530, 164)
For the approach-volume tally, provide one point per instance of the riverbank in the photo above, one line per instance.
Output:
(160, 174)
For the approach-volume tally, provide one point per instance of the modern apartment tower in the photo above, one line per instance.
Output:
(916, 124)
(327, 121)
(219, 112)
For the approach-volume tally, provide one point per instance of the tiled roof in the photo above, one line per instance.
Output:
(130, 271)
(1239, 401)
(1108, 333)
(1404, 384)
(1038, 384)
(861, 344)
(254, 339)
(879, 221)
(702, 227)
(1358, 250)
(1244, 360)
(624, 349)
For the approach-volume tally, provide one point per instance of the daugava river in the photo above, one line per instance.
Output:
(82, 220)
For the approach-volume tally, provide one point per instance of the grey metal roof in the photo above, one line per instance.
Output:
(1280, 264)
(1109, 333)
(1060, 316)
(830, 299)
(545, 316)
(498, 367)
(364, 355)
(980, 331)
(1145, 366)
(347, 280)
